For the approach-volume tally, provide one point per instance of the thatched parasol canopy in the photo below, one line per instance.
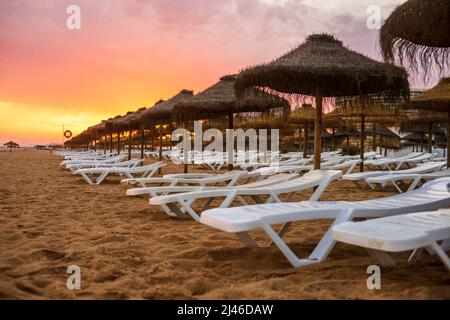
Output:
(324, 62)
(323, 67)
(220, 100)
(436, 99)
(418, 31)
(11, 144)
(162, 112)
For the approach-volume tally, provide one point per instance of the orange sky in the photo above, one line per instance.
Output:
(131, 53)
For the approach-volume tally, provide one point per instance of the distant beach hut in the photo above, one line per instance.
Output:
(323, 67)
(220, 100)
(436, 99)
(11, 145)
(417, 32)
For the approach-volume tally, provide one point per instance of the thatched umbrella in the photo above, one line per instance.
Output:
(418, 31)
(436, 99)
(220, 100)
(423, 122)
(161, 113)
(11, 145)
(131, 122)
(322, 67)
(305, 116)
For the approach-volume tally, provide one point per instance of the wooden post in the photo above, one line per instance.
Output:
(333, 146)
(374, 137)
(363, 132)
(129, 144)
(118, 142)
(185, 165)
(305, 141)
(111, 143)
(421, 142)
(430, 137)
(318, 131)
(160, 141)
(448, 139)
(142, 142)
(231, 126)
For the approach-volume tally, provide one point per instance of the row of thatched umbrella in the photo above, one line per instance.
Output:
(324, 68)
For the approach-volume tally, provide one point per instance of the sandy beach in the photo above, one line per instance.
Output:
(126, 249)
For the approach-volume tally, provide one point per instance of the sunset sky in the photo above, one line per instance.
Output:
(130, 53)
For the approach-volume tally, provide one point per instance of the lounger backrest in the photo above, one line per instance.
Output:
(431, 196)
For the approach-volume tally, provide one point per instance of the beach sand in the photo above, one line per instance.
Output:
(126, 249)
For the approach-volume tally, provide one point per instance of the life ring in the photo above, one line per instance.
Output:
(67, 134)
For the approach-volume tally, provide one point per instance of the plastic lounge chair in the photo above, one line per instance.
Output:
(416, 231)
(240, 220)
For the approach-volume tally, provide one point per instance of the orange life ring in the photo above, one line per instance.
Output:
(67, 134)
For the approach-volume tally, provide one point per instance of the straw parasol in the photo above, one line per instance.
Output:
(11, 145)
(436, 99)
(322, 67)
(418, 32)
(220, 100)
(161, 113)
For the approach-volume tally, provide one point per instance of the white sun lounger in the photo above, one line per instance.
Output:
(407, 232)
(364, 176)
(181, 203)
(386, 163)
(102, 173)
(126, 164)
(115, 159)
(240, 220)
(415, 179)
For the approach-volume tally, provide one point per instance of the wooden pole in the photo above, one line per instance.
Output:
(448, 139)
(421, 142)
(430, 137)
(185, 165)
(363, 132)
(374, 137)
(111, 142)
(230, 126)
(305, 141)
(118, 142)
(348, 143)
(142, 143)
(333, 146)
(160, 141)
(129, 144)
(318, 131)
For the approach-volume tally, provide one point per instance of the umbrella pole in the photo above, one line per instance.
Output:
(305, 142)
(318, 131)
(430, 137)
(129, 144)
(374, 137)
(111, 143)
(231, 126)
(160, 145)
(348, 144)
(448, 140)
(185, 165)
(332, 140)
(118, 143)
(421, 142)
(142, 143)
(363, 133)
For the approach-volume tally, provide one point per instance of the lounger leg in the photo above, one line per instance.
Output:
(382, 258)
(247, 240)
(87, 178)
(327, 243)
(414, 183)
(441, 253)
(415, 254)
(186, 206)
(445, 245)
(396, 186)
(101, 178)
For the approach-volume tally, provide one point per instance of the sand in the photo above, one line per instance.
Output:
(126, 249)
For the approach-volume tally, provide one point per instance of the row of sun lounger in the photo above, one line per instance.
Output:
(402, 223)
